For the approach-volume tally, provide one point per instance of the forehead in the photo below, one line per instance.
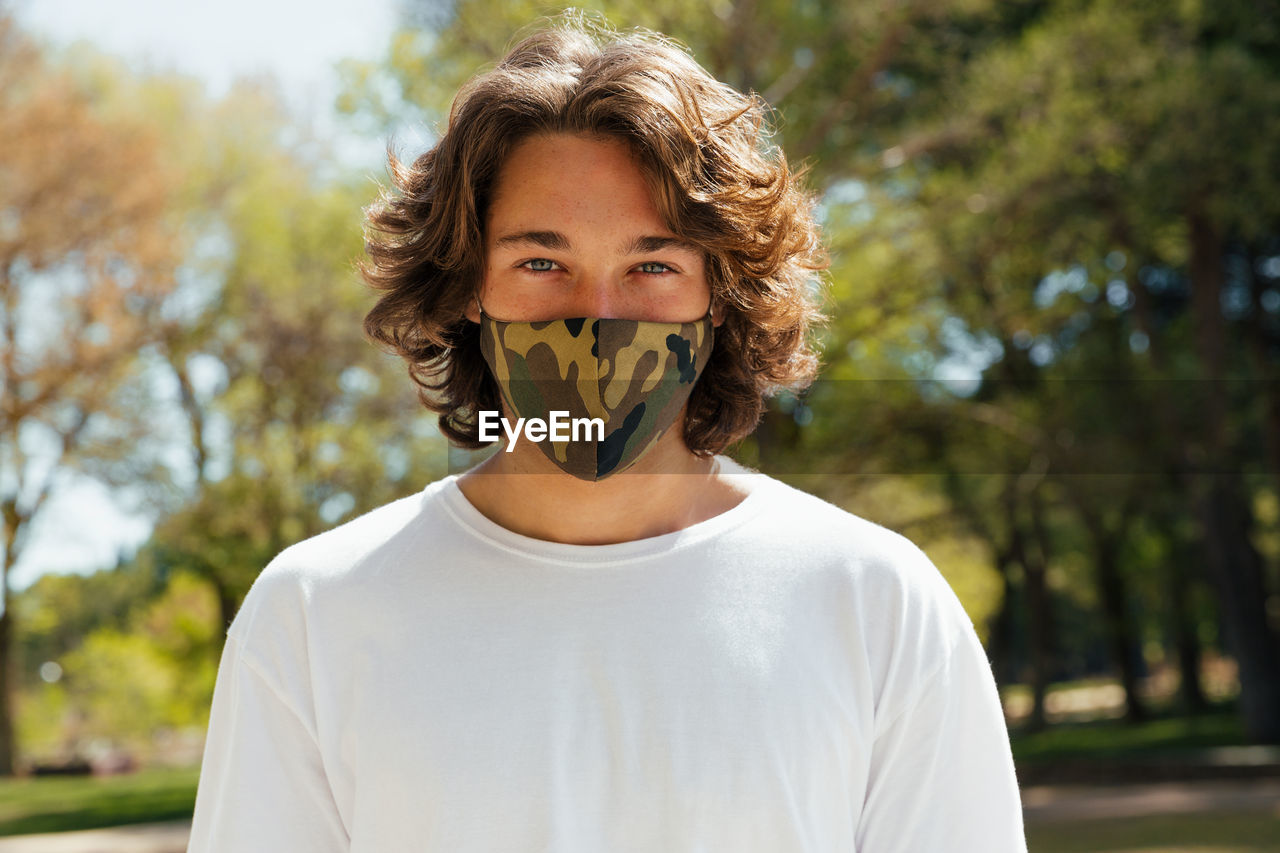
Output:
(559, 180)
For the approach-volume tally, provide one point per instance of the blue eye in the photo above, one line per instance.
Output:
(539, 264)
(654, 268)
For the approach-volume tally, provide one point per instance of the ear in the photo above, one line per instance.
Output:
(473, 310)
(717, 313)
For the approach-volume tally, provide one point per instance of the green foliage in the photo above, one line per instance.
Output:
(122, 683)
(119, 684)
(821, 63)
(42, 713)
(58, 611)
(296, 422)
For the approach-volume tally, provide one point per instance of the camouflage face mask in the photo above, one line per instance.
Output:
(634, 375)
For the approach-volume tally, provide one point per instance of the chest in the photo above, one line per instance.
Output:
(590, 708)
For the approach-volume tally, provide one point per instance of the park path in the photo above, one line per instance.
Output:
(1052, 803)
(1041, 804)
(143, 838)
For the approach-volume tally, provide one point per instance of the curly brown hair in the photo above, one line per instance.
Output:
(715, 181)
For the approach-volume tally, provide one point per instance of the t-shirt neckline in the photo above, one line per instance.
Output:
(482, 527)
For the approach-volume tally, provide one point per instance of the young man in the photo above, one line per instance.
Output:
(614, 640)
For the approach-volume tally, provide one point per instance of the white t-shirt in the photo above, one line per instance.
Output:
(782, 677)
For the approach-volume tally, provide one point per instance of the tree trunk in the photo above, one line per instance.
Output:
(1002, 627)
(1268, 378)
(1043, 629)
(1185, 639)
(1036, 604)
(1115, 612)
(1236, 570)
(227, 606)
(1001, 643)
(8, 756)
(1000, 637)
(1235, 567)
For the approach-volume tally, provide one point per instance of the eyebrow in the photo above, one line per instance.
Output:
(553, 240)
(645, 245)
(556, 241)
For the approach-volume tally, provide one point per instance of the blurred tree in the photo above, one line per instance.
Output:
(87, 255)
(55, 613)
(273, 416)
(1137, 142)
(124, 682)
(824, 64)
(295, 421)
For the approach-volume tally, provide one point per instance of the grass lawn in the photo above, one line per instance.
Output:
(58, 803)
(1108, 739)
(1226, 833)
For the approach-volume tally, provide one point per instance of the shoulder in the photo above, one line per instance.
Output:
(288, 586)
(825, 534)
(899, 603)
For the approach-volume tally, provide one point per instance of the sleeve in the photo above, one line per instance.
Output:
(941, 773)
(262, 783)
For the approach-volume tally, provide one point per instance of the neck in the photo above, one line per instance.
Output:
(668, 489)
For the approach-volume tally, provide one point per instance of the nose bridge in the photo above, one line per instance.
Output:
(599, 291)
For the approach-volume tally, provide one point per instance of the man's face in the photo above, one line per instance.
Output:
(573, 232)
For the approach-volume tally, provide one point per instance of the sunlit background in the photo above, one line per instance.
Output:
(297, 47)
(1052, 362)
